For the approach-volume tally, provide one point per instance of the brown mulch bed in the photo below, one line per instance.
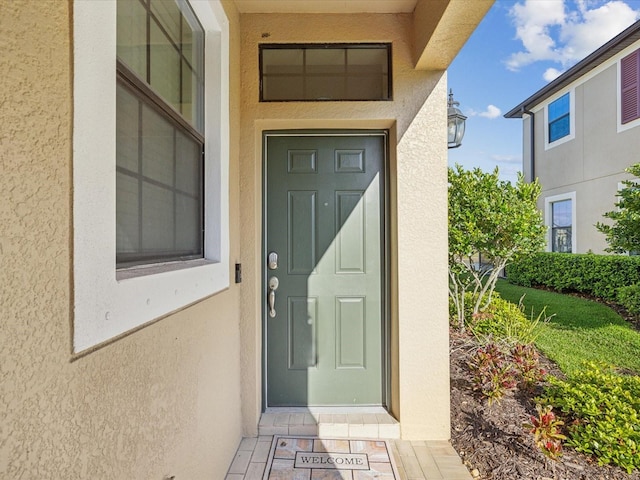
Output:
(491, 439)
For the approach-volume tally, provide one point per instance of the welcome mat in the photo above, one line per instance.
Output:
(307, 458)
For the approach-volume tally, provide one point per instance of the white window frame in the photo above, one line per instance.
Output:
(572, 120)
(548, 218)
(108, 303)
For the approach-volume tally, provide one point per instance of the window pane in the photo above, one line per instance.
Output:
(169, 16)
(192, 48)
(157, 147)
(561, 213)
(282, 74)
(188, 171)
(561, 217)
(374, 59)
(127, 122)
(127, 208)
(132, 36)
(157, 219)
(559, 107)
(164, 67)
(328, 72)
(561, 240)
(317, 60)
(188, 238)
(559, 128)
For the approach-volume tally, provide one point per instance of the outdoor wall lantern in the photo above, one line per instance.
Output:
(455, 123)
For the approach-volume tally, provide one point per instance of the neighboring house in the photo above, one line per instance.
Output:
(584, 126)
(154, 156)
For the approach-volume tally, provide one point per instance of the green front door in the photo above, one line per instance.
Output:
(324, 268)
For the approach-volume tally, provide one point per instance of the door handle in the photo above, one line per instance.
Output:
(273, 286)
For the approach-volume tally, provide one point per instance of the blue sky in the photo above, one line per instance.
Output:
(517, 49)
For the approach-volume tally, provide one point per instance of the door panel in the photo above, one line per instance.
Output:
(324, 217)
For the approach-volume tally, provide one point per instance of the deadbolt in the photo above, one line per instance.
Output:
(273, 261)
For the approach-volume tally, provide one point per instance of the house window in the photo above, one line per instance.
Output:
(138, 167)
(159, 132)
(561, 226)
(560, 218)
(629, 87)
(325, 72)
(559, 118)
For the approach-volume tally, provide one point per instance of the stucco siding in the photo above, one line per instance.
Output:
(160, 401)
(416, 122)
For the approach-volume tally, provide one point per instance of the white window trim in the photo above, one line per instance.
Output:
(572, 120)
(105, 306)
(548, 201)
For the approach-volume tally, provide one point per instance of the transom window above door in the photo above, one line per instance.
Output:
(325, 72)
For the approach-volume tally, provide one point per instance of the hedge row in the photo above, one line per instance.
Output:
(599, 275)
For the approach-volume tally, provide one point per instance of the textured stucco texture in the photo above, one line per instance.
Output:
(416, 121)
(161, 401)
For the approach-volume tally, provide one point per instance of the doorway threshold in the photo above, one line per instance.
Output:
(333, 422)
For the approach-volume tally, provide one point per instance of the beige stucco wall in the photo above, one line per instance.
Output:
(416, 120)
(161, 401)
(592, 164)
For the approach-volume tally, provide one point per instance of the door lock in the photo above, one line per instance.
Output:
(273, 261)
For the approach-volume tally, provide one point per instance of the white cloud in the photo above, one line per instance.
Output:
(491, 112)
(551, 74)
(565, 31)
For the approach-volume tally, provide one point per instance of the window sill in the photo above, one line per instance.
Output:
(157, 268)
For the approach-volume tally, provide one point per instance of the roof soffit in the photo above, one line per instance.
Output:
(442, 27)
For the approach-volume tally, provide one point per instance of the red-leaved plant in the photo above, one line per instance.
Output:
(493, 373)
(546, 432)
(527, 363)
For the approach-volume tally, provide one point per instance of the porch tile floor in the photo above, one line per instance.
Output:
(416, 460)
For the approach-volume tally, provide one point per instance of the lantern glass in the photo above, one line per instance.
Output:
(455, 123)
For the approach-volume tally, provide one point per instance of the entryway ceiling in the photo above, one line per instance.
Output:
(439, 27)
(326, 6)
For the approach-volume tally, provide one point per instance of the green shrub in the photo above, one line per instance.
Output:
(599, 275)
(603, 409)
(503, 320)
(629, 298)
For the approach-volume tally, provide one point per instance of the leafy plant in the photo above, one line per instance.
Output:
(491, 218)
(546, 430)
(629, 298)
(498, 369)
(624, 234)
(526, 361)
(604, 409)
(493, 373)
(502, 320)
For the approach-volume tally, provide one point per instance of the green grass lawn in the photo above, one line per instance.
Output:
(581, 330)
